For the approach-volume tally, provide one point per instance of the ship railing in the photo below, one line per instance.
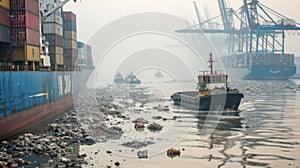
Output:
(209, 73)
(30, 68)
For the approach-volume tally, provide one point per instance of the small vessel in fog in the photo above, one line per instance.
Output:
(132, 79)
(213, 93)
(118, 79)
(159, 74)
(129, 79)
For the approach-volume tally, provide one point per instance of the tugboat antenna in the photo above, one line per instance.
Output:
(211, 63)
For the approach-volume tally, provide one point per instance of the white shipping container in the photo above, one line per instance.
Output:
(82, 52)
(52, 28)
(54, 19)
(81, 55)
(46, 60)
(286, 22)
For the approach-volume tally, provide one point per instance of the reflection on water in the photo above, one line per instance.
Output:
(265, 132)
(262, 130)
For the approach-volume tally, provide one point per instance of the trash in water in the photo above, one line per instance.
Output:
(142, 154)
(173, 152)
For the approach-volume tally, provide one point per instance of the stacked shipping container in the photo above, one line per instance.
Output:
(25, 32)
(84, 54)
(70, 38)
(273, 60)
(4, 31)
(53, 32)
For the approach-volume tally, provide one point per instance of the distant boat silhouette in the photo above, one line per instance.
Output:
(132, 79)
(119, 78)
(159, 74)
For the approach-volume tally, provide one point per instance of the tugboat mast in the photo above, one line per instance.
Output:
(211, 63)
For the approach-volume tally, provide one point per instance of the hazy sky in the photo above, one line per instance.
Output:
(94, 14)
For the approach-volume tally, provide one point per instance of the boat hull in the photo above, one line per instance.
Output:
(27, 119)
(265, 66)
(271, 72)
(222, 101)
(28, 99)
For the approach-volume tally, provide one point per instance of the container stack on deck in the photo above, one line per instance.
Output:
(84, 54)
(89, 58)
(4, 31)
(53, 32)
(20, 38)
(70, 39)
(25, 33)
(273, 60)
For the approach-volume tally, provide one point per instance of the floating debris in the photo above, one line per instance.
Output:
(156, 117)
(140, 120)
(142, 154)
(139, 125)
(155, 127)
(173, 152)
(117, 163)
(137, 144)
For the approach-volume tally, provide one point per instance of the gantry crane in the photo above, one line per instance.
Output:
(267, 35)
(253, 29)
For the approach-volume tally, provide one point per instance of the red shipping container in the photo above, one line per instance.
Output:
(4, 16)
(32, 21)
(17, 19)
(31, 6)
(18, 36)
(25, 19)
(33, 37)
(21, 36)
(70, 16)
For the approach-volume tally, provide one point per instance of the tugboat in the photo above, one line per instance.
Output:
(213, 93)
(132, 79)
(118, 79)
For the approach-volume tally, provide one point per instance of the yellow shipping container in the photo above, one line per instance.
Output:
(70, 35)
(5, 4)
(33, 53)
(70, 44)
(59, 50)
(26, 53)
(59, 59)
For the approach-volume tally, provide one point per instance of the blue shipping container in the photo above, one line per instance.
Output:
(80, 44)
(4, 34)
(69, 26)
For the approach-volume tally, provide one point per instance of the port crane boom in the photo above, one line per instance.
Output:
(45, 4)
(256, 36)
(47, 8)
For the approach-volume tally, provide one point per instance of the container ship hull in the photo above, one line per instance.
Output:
(263, 72)
(191, 100)
(31, 98)
(263, 66)
(271, 72)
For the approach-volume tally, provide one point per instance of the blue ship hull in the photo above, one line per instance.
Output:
(270, 72)
(29, 98)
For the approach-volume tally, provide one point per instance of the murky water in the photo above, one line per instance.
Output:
(264, 133)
